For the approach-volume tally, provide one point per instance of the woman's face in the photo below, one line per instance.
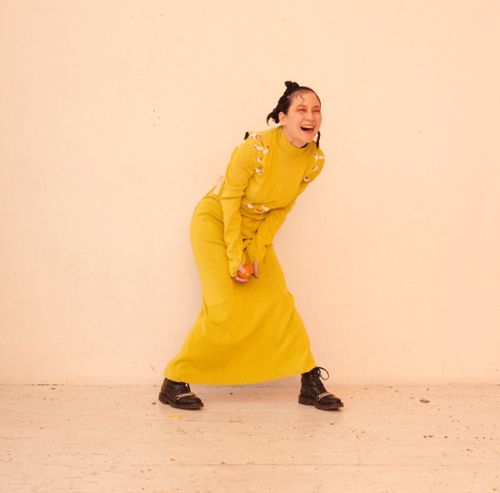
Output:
(303, 120)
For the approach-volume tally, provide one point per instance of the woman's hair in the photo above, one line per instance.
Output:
(284, 102)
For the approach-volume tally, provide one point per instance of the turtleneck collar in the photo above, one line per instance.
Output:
(287, 147)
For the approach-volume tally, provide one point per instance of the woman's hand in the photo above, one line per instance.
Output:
(245, 271)
(242, 274)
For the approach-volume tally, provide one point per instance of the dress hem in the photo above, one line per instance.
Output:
(224, 382)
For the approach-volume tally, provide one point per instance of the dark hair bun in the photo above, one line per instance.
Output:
(291, 86)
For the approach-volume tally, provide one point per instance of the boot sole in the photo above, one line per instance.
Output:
(309, 401)
(165, 399)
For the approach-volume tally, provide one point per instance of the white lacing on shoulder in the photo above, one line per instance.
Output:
(318, 157)
(261, 149)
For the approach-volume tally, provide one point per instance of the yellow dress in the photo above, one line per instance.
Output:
(247, 332)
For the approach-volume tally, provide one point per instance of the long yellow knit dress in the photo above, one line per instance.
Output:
(247, 332)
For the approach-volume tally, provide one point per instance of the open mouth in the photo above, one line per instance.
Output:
(307, 128)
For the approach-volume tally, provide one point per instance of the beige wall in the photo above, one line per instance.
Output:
(117, 116)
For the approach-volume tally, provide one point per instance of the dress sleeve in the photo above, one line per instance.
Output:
(256, 249)
(238, 173)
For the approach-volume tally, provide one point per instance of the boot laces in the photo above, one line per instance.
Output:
(318, 371)
(319, 376)
(315, 377)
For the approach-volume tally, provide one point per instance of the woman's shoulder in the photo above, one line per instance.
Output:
(315, 164)
(263, 137)
(256, 144)
(253, 149)
(317, 153)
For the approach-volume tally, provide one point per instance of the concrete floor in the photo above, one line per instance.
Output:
(249, 439)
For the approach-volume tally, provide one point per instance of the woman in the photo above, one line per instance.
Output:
(248, 330)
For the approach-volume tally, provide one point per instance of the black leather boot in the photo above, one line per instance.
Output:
(178, 394)
(313, 392)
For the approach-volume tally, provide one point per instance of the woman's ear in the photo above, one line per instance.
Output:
(282, 118)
